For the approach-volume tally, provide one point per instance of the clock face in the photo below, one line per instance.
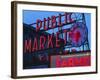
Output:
(78, 34)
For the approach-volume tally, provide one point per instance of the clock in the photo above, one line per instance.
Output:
(78, 34)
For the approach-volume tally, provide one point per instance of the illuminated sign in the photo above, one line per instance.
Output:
(73, 60)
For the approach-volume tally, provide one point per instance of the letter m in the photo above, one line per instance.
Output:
(27, 46)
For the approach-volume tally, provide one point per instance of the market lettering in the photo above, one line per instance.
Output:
(43, 42)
